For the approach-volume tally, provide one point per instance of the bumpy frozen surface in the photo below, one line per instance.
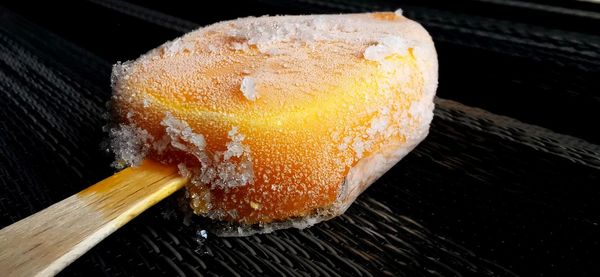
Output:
(279, 120)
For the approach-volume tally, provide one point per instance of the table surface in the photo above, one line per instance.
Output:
(507, 182)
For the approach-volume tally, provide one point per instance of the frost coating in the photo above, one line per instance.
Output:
(221, 169)
(248, 88)
(269, 33)
(130, 144)
(176, 46)
(235, 148)
(264, 36)
(230, 168)
(182, 136)
(386, 47)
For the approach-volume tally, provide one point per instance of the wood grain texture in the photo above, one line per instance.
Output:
(46, 242)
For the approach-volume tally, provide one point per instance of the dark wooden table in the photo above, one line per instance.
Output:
(507, 183)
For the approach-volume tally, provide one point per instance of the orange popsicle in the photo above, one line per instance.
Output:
(279, 120)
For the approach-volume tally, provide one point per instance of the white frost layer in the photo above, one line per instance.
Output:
(385, 47)
(182, 136)
(269, 33)
(248, 88)
(176, 46)
(235, 148)
(130, 144)
(218, 169)
(230, 168)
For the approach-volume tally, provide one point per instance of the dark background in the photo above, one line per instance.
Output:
(506, 184)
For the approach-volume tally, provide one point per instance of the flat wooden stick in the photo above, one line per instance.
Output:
(46, 242)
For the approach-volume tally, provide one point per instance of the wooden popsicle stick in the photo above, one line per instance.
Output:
(46, 242)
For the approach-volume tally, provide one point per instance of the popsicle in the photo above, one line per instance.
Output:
(283, 119)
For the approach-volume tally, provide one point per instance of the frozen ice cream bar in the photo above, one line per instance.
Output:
(278, 121)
